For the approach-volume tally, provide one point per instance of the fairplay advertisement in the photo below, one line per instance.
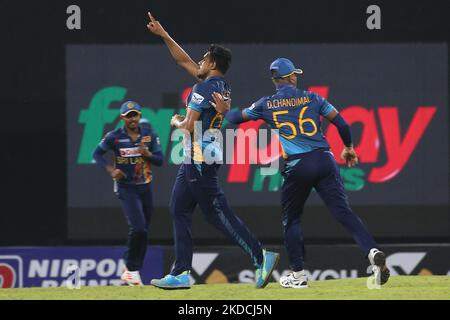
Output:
(394, 96)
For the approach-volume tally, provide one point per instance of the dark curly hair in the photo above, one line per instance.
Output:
(221, 56)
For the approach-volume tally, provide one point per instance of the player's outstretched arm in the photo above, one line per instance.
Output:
(180, 56)
(223, 107)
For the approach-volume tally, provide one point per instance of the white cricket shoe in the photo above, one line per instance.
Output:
(132, 278)
(378, 259)
(297, 280)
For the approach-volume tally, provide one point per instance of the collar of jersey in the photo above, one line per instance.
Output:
(214, 78)
(285, 86)
(124, 130)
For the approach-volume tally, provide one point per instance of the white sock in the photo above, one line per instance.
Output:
(298, 274)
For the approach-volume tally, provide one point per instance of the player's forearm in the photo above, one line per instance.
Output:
(157, 158)
(184, 125)
(343, 129)
(109, 168)
(235, 116)
(177, 52)
(99, 159)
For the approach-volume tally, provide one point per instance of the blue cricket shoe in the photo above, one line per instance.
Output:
(262, 275)
(180, 281)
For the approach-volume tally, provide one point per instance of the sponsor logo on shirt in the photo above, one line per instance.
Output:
(146, 139)
(129, 152)
(197, 98)
(117, 140)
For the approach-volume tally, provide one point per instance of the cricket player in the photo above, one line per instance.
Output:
(197, 181)
(136, 148)
(309, 164)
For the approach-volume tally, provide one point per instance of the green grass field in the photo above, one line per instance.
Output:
(398, 288)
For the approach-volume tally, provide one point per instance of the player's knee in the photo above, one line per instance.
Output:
(290, 221)
(212, 219)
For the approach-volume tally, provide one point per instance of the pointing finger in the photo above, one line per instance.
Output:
(151, 17)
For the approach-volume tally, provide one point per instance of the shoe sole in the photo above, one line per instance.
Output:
(132, 284)
(293, 287)
(270, 272)
(172, 288)
(380, 261)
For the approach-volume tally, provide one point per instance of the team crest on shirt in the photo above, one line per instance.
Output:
(146, 139)
(197, 98)
(226, 95)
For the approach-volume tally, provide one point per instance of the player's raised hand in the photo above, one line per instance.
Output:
(220, 104)
(155, 27)
(350, 156)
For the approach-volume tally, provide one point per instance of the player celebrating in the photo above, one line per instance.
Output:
(135, 149)
(197, 183)
(309, 164)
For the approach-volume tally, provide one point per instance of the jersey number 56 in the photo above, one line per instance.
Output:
(301, 122)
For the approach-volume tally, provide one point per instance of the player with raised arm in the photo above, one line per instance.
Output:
(309, 164)
(197, 180)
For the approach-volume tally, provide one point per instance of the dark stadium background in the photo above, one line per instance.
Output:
(33, 133)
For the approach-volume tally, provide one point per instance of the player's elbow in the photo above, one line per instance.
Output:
(97, 156)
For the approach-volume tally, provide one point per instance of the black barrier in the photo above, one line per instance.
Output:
(230, 264)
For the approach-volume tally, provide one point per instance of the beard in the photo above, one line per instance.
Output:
(202, 74)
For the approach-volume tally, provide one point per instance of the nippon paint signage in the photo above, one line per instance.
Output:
(54, 266)
(394, 96)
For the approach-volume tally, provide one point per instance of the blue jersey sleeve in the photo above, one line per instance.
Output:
(324, 106)
(107, 142)
(255, 111)
(200, 97)
(155, 145)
